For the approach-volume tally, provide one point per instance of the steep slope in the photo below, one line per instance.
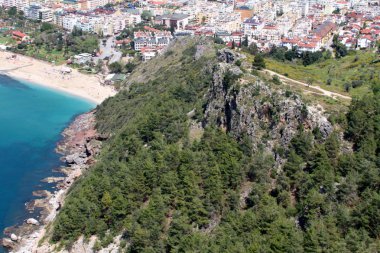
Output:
(203, 157)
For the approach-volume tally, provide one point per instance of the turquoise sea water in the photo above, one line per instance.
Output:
(31, 120)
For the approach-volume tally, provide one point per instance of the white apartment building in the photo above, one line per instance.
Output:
(133, 19)
(93, 4)
(19, 4)
(107, 24)
(58, 18)
(69, 21)
(251, 25)
(36, 12)
(45, 15)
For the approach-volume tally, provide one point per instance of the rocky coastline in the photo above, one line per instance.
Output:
(79, 147)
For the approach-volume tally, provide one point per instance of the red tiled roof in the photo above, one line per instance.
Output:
(355, 15)
(210, 33)
(307, 45)
(229, 44)
(351, 40)
(368, 37)
(323, 29)
(192, 27)
(120, 42)
(157, 2)
(18, 34)
(270, 27)
(237, 34)
(290, 40)
(365, 31)
(151, 29)
(151, 49)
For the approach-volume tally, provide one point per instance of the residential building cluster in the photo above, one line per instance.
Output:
(360, 31)
(151, 41)
(307, 25)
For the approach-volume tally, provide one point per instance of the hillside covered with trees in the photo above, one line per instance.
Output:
(197, 161)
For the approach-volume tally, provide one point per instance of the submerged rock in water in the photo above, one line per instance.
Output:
(42, 193)
(52, 179)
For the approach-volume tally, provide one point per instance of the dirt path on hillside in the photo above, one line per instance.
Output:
(323, 91)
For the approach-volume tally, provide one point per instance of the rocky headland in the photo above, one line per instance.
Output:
(238, 102)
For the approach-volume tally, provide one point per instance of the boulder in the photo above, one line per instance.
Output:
(80, 161)
(93, 147)
(14, 237)
(76, 158)
(32, 221)
(70, 159)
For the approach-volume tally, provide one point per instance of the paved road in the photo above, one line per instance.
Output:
(108, 50)
(324, 92)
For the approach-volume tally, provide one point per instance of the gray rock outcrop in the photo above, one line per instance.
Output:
(229, 56)
(268, 116)
(7, 243)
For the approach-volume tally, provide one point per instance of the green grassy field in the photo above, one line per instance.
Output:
(6, 40)
(43, 54)
(355, 66)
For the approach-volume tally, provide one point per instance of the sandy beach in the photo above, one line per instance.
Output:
(56, 77)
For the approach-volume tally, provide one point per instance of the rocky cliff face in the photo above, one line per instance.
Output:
(268, 115)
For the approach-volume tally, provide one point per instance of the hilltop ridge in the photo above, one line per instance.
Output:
(204, 156)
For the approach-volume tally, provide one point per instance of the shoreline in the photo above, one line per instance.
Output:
(78, 147)
(60, 78)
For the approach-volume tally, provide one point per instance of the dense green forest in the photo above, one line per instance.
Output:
(166, 191)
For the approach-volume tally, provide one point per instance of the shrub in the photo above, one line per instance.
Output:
(253, 49)
(168, 53)
(288, 93)
(258, 62)
(115, 67)
(276, 80)
(356, 83)
(218, 40)
(347, 87)
(255, 72)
